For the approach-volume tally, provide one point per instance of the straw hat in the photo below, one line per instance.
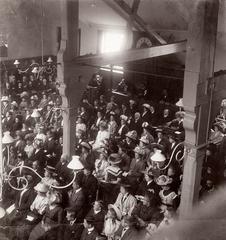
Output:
(164, 180)
(117, 211)
(41, 187)
(114, 159)
(139, 150)
(145, 139)
(146, 105)
(132, 135)
(145, 125)
(5, 99)
(75, 163)
(124, 117)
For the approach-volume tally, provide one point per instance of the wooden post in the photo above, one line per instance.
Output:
(72, 78)
(199, 68)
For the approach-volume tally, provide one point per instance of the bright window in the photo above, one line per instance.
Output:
(112, 42)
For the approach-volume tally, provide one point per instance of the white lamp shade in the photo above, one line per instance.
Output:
(75, 164)
(49, 60)
(35, 70)
(158, 156)
(7, 138)
(2, 212)
(35, 114)
(16, 62)
(180, 103)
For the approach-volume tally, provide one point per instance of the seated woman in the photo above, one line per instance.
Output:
(52, 218)
(112, 222)
(125, 201)
(102, 135)
(168, 197)
(147, 210)
(101, 165)
(37, 210)
(49, 176)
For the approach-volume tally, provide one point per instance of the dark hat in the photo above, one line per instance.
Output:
(86, 145)
(50, 169)
(88, 166)
(70, 210)
(90, 219)
(114, 158)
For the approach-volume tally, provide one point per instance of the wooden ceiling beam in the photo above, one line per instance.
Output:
(135, 6)
(130, 55)
(122, 14)
(139, 21)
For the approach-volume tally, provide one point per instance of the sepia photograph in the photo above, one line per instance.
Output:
(113, 119)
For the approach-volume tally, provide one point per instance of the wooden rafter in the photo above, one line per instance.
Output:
(137, 19)
(131, 55)
(135, 6)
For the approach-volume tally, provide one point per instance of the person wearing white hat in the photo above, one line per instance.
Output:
(168, 197)
(112, 221)
(41, 201)
(102, 135)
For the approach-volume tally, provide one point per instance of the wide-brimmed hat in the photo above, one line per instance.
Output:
(145, 125)
(164, 180)
(41, 187)
(146, 105)
(114, 159)
(117, 211)
(124, 117)
(139, 150)
(145, 139)
(86, 145)
(5, 99)
(50, 169)
(132, 135)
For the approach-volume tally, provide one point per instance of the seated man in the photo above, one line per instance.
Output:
(89, 232)
(77, 198)
(72, 228)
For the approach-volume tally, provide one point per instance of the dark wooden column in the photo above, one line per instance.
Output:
(73, 78)
(199, 68)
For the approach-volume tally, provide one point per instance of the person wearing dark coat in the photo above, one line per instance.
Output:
(72, 229)
(64, 174)
(127, 231)
(89, 184)
(77, 198)
(136, 124)
(50, 143)
(22, 203)
(38, 154)
(89, 232)
(98, 214)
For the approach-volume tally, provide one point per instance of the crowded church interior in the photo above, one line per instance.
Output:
(113, 116)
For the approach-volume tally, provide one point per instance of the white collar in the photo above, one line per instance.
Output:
(90, 229)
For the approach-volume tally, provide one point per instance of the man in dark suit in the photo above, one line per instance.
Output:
(89, 233)
(77, 198)
(98, 214)
(127, 230)
(38, 154)
(72, 229)
(23, 201)
(136, 124)
(89, 184)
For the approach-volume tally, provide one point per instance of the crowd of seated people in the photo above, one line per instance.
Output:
(130, 182)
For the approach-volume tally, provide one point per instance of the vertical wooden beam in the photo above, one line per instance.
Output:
(72, 78)
(199, 68)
